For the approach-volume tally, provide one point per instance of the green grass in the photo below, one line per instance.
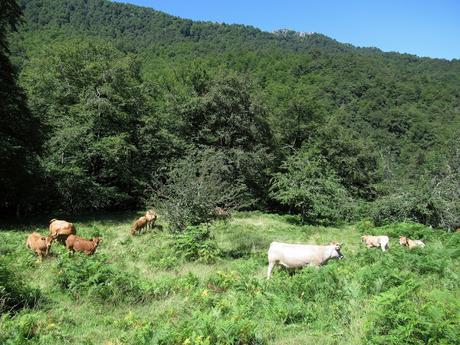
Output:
(138, 290)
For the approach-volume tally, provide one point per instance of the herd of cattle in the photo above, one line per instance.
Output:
(65, 233)
(286, 254)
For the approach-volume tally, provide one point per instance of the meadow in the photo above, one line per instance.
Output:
(192, 288)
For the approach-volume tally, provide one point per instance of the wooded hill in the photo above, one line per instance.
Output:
(118, 94)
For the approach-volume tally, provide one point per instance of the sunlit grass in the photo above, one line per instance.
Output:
(231, 298)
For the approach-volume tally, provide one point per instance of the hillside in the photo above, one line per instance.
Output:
(382, 125)
(142, 290)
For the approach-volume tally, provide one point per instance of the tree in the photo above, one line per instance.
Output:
(193, 188)
(19, 128)
(89, 95)
(308, 185)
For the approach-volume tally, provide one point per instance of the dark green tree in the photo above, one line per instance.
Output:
(90, 97)
(19, 128)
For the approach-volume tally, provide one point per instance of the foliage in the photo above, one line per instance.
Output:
(91, 117)
(20, 135)
(15, 293)
(403, 315)
(196, 243)
(311, 187)
(123, 294)
(117, 92)
(83, 277)
(194, 187)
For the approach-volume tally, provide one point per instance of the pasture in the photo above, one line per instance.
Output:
(161, 288)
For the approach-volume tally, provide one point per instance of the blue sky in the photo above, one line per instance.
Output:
(425, 28)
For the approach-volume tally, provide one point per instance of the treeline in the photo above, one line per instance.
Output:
(122, 100)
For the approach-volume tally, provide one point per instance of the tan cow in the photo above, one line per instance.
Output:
(376, 241)
(39, 244)
(404, 241)
(61, 229)
(300, 255)
(75, 243)
(138, 225)
(152, 217)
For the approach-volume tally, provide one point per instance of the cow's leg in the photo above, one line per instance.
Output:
(271, 264)
(383, 247)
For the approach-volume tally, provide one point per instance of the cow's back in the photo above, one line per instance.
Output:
(34, 241)
(295, 255)
(61, 229)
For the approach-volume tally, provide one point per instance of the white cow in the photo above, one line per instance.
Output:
(376, 241)
(299, 255)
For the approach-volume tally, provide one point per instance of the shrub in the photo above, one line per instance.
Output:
(197, 243)
(195, 186)
(95, 277)
(14, 292)
(402, 315)
(308, 185)
(23, 328)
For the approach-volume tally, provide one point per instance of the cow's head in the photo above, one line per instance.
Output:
(364, 238)
(96, 241)
(336, 250)
(403, 241)
(48, 240)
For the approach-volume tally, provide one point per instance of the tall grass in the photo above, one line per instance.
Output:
(157, 288)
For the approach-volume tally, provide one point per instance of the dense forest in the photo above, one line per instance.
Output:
(111, 106)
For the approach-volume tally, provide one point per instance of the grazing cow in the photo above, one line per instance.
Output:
(139, 224)
(299, 255)
(39, 244)
(404, 241)
(60, 229)
(376, 241)
(80, 244)
(151, 216)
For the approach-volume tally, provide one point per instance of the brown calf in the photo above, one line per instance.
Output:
(75, 243)
(60, 229)
(138, 225)
(39, 244)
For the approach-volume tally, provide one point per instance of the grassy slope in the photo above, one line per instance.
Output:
(329, 305)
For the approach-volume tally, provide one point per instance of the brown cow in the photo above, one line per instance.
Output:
(39, 244)
(138, 225)
(404, 241)
(80, 244)
(60, 229)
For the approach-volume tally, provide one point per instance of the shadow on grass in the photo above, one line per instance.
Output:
(39, 222)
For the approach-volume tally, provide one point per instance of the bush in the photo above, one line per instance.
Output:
(308, 185)
(402, 315)
(429, 200)
(197, 243)
(27, 328)
(14, 292)
(195, 186)
(96, 278)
